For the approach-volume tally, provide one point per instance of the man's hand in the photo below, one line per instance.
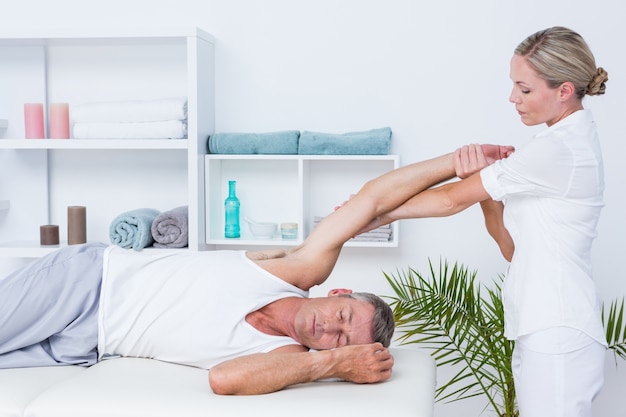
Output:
(364, 364)
(470, 159)
(262, 373)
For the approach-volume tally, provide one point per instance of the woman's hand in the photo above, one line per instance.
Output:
(470, 159)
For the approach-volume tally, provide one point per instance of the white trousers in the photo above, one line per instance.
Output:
(557, 373)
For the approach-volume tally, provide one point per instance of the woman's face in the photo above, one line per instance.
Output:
(534, 101)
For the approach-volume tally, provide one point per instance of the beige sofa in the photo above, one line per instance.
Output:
(131, 387)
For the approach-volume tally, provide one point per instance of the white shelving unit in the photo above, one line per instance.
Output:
(39, 178)
(287, 188)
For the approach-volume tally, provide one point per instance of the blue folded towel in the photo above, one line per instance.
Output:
(132, 229)
(272, 143)
(369, 142)
(170, 229)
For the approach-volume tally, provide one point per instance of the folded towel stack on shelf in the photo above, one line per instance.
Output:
(380, 234)
(134, 119)
(369, 142)
(270, 143)
(144, 227)
(293, 142)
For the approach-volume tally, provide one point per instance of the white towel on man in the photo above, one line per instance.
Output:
(155, 110)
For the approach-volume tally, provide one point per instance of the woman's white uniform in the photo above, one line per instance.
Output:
(552, 190)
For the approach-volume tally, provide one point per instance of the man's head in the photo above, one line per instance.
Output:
(383, 322)
(344, 318)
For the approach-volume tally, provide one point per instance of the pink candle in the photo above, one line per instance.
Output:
(59, 117)
(33, 120)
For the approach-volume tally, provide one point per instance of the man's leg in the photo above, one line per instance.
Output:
(49, 309)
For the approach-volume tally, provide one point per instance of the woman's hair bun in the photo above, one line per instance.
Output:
(597, 85)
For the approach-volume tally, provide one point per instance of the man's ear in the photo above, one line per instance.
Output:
(339, 291)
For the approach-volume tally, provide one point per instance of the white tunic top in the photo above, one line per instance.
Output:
(552, 189)
(185, 307)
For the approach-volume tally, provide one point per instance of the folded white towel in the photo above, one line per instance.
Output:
(380, 234)
(169, 129)
(174, 108)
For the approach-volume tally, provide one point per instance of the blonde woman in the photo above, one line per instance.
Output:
(541, 205)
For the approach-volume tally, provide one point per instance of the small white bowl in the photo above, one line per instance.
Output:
(263, 229)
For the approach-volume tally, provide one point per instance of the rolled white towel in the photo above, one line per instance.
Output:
(155, 110)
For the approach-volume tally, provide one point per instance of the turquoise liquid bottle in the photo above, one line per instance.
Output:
(231, 210)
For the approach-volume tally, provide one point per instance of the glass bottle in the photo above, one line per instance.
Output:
(231, 210)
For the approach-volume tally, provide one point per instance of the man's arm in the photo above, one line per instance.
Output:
(263, 373)
(312, 262)
(380, 201)
(454, 197)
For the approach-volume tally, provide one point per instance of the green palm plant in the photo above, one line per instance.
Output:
(462, 322)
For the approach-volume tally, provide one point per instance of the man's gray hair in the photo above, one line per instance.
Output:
(383, 323)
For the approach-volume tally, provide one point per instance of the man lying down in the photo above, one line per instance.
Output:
(246, 316)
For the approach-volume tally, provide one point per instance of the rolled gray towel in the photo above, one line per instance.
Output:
(170, 229)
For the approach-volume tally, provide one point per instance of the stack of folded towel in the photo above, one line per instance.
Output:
(368, 142)
(380, 234)
(134, 119)
(144, 227)
(271, 143)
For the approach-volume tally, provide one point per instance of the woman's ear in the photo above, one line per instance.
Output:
(567, 91)
(339, 291)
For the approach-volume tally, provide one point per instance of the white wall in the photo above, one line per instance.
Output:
(435, 72)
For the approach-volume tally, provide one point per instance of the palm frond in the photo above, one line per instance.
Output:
(446, 312)
(613, 320)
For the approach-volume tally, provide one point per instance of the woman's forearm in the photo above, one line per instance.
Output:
(494, 221)
(441, 201)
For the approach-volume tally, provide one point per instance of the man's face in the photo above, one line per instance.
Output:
(331, 322)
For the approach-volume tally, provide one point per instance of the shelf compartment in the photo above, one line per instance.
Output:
(268, 189)
(288, 188)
